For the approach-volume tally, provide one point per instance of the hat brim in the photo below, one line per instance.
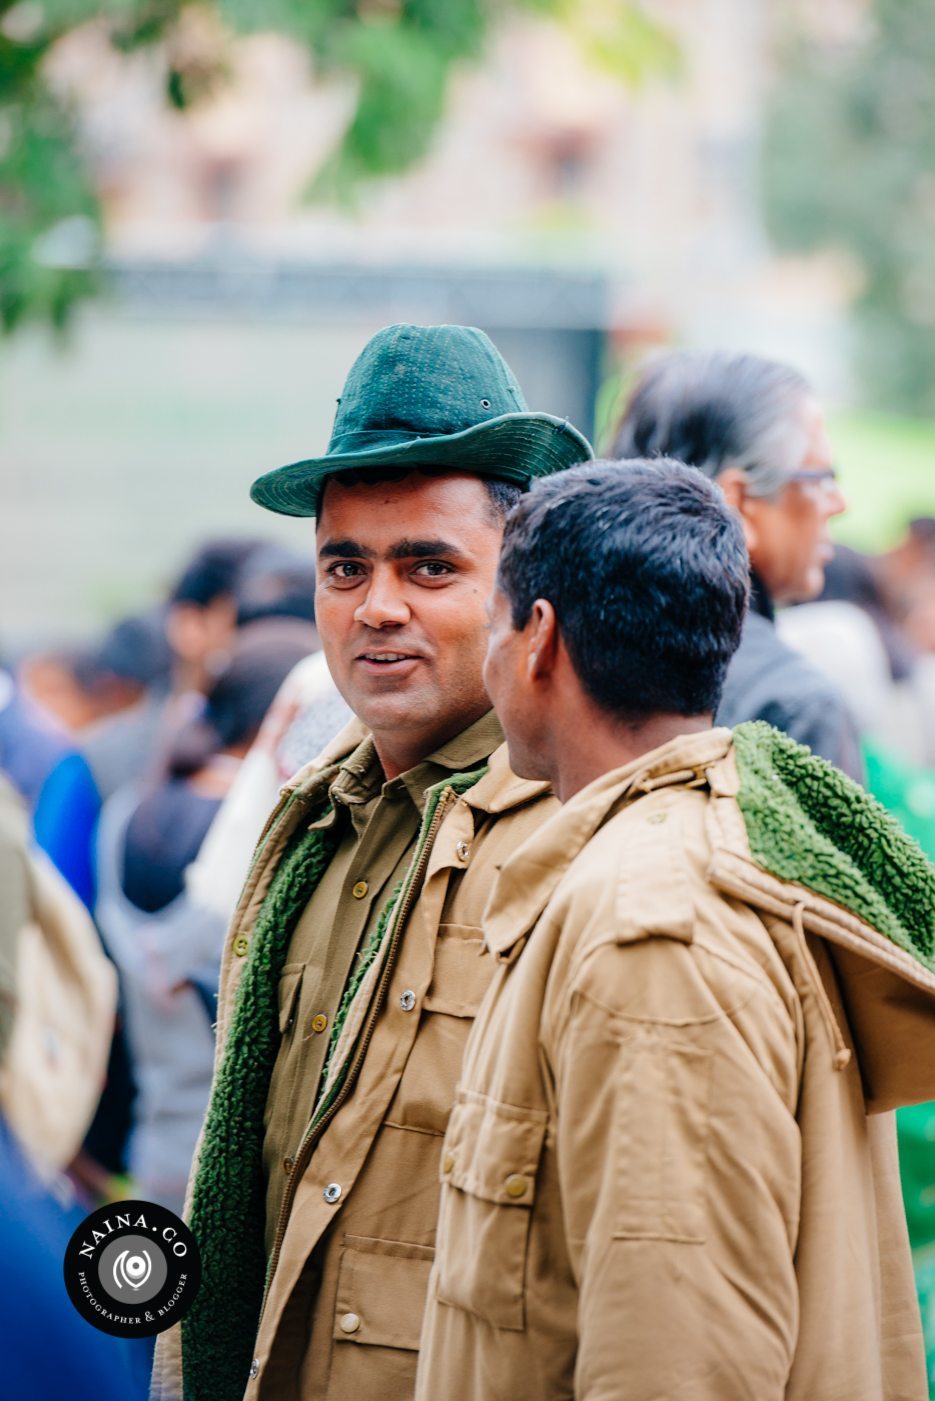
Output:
(512, 448)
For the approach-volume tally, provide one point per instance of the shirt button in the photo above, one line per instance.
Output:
(332, 1192)
(349, 1323)
(448, 1162)
(408, 1000)
(241, 944)
(515, 1185)
(462, 851)
(360, 889)
(254, 1368)
(319, 1022)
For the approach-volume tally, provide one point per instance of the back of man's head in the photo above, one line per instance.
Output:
(646, 568)
(716, 410)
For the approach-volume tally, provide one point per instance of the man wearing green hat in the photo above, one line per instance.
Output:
(356, 962)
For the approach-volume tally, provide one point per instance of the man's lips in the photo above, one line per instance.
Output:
(380, 662)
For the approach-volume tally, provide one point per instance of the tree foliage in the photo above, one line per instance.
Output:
(401, 53)
(849, 163)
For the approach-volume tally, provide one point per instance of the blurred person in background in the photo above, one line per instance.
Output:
(859, 634)
(107, 697)
(201, 617)
(755, 427)
(307, 713)
(39, 758)
(889, 594)
(275, 582)
(57, 999)
(120, 747)
(53, 1043)
(49, 1352)
(166, 947)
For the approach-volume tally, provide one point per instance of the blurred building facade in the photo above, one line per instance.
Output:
(566, 213)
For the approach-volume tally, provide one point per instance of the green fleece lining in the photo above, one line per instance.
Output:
(229, 1199)
(228, 1205)
(809, 823)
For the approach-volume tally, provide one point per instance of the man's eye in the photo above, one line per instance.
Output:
(345, 569)
(433, 568)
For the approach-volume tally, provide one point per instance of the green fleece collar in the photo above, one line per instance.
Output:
(810, 824)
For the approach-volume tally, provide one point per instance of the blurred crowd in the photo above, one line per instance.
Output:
(137, 772)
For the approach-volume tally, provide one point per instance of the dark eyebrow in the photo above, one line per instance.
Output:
(425, 549)
(346, 549)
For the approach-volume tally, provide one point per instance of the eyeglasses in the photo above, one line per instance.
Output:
(819, 484)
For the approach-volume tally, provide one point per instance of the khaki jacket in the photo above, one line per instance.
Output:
(344, 1308)
(668, 1175)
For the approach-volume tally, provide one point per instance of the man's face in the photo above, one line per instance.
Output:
(788, 533)
(404, 569)
(507, 678)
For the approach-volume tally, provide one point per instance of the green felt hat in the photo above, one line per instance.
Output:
(429, 396)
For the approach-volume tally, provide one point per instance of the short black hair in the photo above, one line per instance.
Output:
(503, 496)
(646, 567)
(213, 571)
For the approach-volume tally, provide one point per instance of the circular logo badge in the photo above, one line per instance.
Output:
(132, 1269)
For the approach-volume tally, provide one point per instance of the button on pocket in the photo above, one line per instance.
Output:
(489, 1169)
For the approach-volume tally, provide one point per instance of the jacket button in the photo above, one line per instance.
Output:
(515, 1185)
(448, 1162)
(332, 1192)
(241, 944)
(408, 1000)
(360, 889)
(254, 1368)
(287, 1165)
(349, 1323)
(462, 851)
(319, 1022)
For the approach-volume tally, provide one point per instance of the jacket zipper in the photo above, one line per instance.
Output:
(314, 1131)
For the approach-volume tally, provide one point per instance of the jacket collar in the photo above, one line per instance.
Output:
(760, 600)
(498, 791)
(531, 875)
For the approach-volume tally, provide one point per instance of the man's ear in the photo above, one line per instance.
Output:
(543, 640)
(733, 483)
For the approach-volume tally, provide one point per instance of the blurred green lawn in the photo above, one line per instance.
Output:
(887, 468)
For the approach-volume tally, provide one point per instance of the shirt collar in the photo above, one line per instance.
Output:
(531, 874)
(359, 778)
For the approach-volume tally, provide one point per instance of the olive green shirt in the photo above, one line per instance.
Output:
(379, 822)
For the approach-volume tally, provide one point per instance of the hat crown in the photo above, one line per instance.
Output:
(423, 382)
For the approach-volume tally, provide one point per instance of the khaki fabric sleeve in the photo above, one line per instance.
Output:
(679, 1161)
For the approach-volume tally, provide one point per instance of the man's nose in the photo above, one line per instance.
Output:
(835, 500)
(384, 604)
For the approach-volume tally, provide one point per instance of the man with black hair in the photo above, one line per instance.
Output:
(355, 962)
(755, 427)
(667, 1173)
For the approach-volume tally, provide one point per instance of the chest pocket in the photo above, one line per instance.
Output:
(489, 1166)
(461, 972)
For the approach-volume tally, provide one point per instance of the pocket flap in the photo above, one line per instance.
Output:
(492, 1150)
(382, 1287)
(461, 973)
(290, 985)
